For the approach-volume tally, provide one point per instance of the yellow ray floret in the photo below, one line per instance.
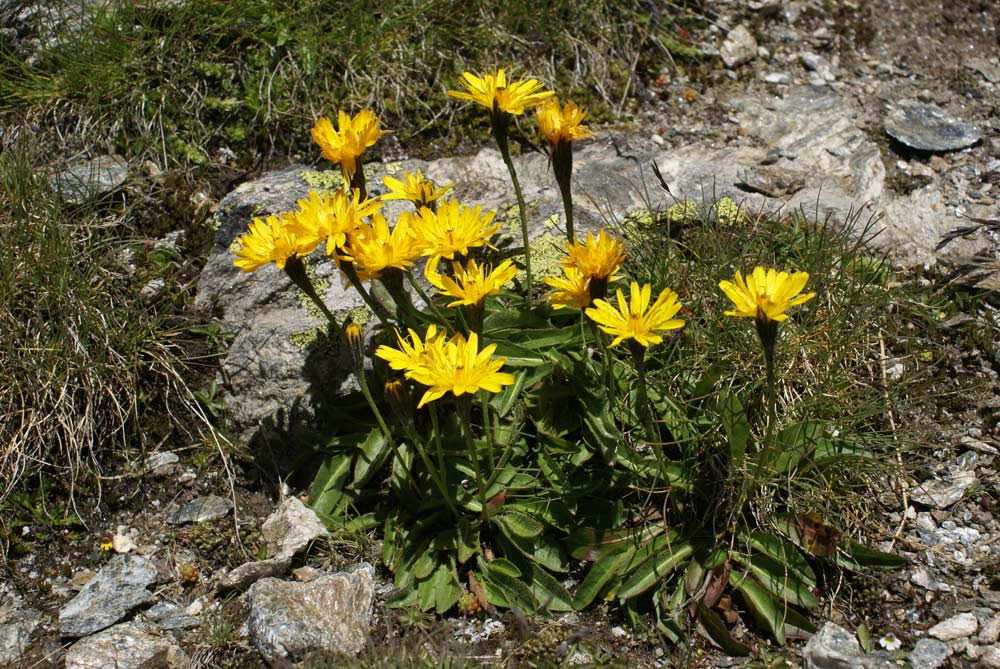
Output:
(352, 136)
(418, 190)
(562, 124)
(472, 283)
(453, 228)
(412, 353)
(766, 294)
(374, 247)
(631, 320)
(571, 290)
(597, 257)
(273, 239)
(333, 216)
(497, 90)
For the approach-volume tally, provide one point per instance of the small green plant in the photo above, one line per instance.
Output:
(514, 443)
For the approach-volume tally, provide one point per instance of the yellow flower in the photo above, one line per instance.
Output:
(765, 294)
(373, 247)
(413, 354)
(333, 216)
(453, 229)
(418, 190)
(631, 320)
(472, 283)
(572, 290)
(562, 125)
(497, 91)
(272, 240)
(353, 333)
(597, 257)
(346, 144)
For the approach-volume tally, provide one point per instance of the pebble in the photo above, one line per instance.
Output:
(990, 658)
(739, 47)
(943, 493)
(777, 78)
(990, 632)
(927, 127)
(84, 181)
(957, 627)
(928, 654)
(201, 509)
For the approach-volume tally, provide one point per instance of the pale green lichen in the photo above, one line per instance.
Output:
(682, 212)
(727, 212)
(360, 315)
(547, 251)
(553, 222)
(319, 285)
(324, 179)
(392, 168)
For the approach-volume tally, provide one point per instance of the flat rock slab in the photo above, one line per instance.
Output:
(943, 493)
(84, 181)
(248, 573)
(330, 615)
(119, 587)
(927, 127)
(126, 646)
(202, 509)
(928, 654)
(17, 622)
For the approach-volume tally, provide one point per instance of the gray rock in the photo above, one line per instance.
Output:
(942, 493)
(833, 647)
(989, 70)
(245, 575)
(291, 528)
(928, 654)
(957, 627)
(85, 181)
(161, 465)
(739, 47)
(201, 509)
(329, 615)
(990, 658)
(169, 616)
(927, 127)
(119, 587)
(773, 181)
(17, 622)
(990, 632)
(777, 78)
(126, 646)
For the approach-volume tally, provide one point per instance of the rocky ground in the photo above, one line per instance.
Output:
(884, 111)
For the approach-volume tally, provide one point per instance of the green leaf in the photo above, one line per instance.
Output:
(548, 591)
(375, 450)
(326, 496)
(552, 512)
(794, 443)
(516, 320)
(504, 401)
(446, 589)
(424, 565)
(765, 609)
(864, 638)
(855, 556)
(734, 422)
(601, 573)
(518, 356)
(653, 570)
(514, 593)
(588, 543)
(501, 565)
(468, 540)
(542, 549)
(784, 552)
(519, 524)
(719, 633)
(782, 582)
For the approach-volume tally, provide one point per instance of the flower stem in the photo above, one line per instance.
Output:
(437, 472)
(377, 308)
(295, 269)
(500, 122)
(427, 300)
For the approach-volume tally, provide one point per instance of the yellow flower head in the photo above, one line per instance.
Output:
(418, 190)
(571, 290)
(562, 125)
(353, 333)
(766, 294)
(333, 216)
(631, 320)
(352, 136)
(453, 228)
(373, 247)
(414, 353)
(275, 240)
(472, 283)
(497, 91)
(597, 257)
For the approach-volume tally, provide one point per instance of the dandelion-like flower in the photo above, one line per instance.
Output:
(597, 257)
(374, 247)
(473, 283)
(497, 92)
(765, 294)
(418, 190)
(413, 353)
(333, 216)
(571, 290)
(561, 125)
(453, 229)
(273, 239)
(631, 320)
(352, 136)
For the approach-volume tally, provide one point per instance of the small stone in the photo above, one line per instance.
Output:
(306, 574)
(990, 658)
(739, 47)
(152, 289)
(773, 181)
(108, 597)
(162, 464)
(928, 654)
(989, 71)
(832, 647)
(990, 633)
(330, 615)
(943, 493)
(777, 78)
(17, 623)
(938, 164)
(245, 575)
(84, 181)
(201, 509)
(291, 528)
(126, 646)
(957, 627)
(927, 127)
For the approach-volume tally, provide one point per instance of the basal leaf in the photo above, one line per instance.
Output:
(765, 608)
(519, 524)
(782, 581)
(601, 573)
(653, 570)
(549, 592)
(375, 450)
(327, 497)
(719, 633)
(786, 553)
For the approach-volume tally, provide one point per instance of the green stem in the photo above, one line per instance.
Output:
(500, 123)
(438, 472)
(488, 432)
(377, 308)
(427, 300)
(470, 447)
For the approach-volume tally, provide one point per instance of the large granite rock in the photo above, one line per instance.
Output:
(329, 615)
(126, 646)
(120, 586)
